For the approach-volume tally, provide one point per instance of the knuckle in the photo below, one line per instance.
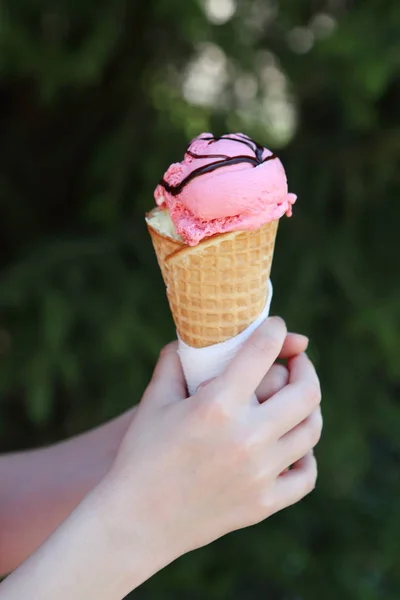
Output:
(315, 429)
(319, 424)
(315, 436)
(311, 392)
(266, 344)
(250, 444)
(267, 505)
(242, 450)
(213, 410)
(270, 336)
(245, 454)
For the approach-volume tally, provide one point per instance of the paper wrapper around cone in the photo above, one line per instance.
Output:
(217, 288)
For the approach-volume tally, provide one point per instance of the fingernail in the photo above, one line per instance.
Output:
(204, 384)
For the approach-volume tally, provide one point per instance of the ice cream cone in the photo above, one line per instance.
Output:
(164, 247)
(217, 288)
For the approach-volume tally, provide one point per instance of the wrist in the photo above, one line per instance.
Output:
(133, 528)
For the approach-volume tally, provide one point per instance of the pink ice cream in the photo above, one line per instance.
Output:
(224, 184)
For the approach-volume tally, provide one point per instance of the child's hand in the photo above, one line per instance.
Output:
(193, 469)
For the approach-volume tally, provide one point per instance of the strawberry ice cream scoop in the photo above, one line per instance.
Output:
(226, 183)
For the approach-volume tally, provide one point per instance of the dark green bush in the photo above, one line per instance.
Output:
(97, 98)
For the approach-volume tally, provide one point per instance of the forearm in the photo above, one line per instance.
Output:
(89, 556)
(39, 489)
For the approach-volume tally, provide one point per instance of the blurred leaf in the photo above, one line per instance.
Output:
(38, 387)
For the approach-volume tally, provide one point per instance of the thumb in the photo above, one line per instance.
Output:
(168, 382)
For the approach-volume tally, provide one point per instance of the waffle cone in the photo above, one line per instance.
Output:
(217, 288)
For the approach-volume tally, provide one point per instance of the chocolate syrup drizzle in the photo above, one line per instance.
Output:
(225, 161)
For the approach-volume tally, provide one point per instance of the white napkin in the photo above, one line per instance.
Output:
(201, 364)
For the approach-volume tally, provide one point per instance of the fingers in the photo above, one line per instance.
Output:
(299, 441)
(168, 382)
(294, 344)
(276, 379)
(295, 402)
(246, 371)
(293, 485)
(301, 368)
(278, 376)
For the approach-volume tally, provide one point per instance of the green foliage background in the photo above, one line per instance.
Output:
(92, 112)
